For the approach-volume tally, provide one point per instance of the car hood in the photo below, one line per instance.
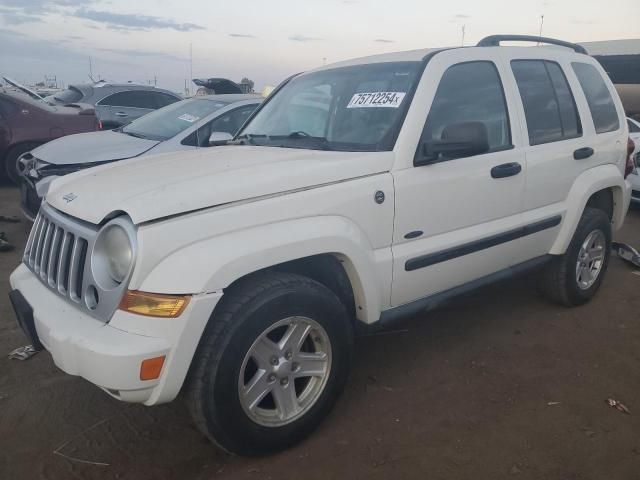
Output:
(92, 147)
(157, 186)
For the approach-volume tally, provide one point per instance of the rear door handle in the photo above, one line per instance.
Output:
(582, 153)
(506, 170)
(121, 114)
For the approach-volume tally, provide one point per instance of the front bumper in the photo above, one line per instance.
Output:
(30, 201)
(108, 355)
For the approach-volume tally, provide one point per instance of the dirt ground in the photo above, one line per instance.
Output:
(500, 384)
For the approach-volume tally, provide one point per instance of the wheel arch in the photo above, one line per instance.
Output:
(331, 250)
(600, 187)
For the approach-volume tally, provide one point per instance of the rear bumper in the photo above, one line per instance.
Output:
(109, 356)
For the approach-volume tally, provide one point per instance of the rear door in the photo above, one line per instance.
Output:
(562, 142)
(457, 218)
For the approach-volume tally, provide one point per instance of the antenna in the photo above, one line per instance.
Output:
(91, 70)
(541, 24)
(463, 32)
(190, 64)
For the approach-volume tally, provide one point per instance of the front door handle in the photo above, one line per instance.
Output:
(121, 114)
(506, 170)
(582, 153)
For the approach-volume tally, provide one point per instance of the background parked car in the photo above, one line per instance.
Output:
(26, 123)
(183, 125)
(634, 133)
(116, 104)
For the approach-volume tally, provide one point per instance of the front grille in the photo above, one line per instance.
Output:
(57, 254)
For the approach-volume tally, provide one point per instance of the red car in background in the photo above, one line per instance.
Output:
(27, 121)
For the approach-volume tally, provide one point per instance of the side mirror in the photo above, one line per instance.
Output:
(219, 138)
(458, 140)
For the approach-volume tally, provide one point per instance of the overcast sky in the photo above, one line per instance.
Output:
(268, 40)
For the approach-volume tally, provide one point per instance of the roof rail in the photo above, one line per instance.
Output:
(494, 41)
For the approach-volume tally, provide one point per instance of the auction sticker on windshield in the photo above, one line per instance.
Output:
(376, 99)
(188, 118)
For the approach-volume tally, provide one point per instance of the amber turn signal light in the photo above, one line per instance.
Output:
(153, 304)
(151, 367)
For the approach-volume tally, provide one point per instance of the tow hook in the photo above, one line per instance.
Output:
(626, 252)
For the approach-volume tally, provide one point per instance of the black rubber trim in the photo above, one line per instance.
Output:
(389, 317)
(24, 317)
(482, 244)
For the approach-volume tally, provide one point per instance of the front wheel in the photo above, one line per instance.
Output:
(271, 364)
(575, 277)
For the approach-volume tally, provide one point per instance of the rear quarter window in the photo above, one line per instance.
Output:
(603, 110)
(547, 100)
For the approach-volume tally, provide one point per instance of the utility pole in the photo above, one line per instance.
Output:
(463, 31)
(91, 70)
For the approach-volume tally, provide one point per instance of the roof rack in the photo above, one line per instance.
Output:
(494, 41)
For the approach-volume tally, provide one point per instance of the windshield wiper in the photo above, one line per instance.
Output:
(320, 142)
(136, 135)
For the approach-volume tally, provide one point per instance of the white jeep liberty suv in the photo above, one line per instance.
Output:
(359, 193)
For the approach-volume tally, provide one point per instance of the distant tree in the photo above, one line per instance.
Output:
(249, 82)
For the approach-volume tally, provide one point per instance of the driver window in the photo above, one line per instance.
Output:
(229, 122)
(470, 93)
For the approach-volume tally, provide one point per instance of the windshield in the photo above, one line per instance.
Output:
(169, 121)
(70, 95)
(357, 108)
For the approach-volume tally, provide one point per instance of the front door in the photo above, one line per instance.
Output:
(457, 216)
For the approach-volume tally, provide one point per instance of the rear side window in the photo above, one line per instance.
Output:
(603, 110)
(163, 99)
(548, 103)
(470, 94)
(131, 98)
(633, 128)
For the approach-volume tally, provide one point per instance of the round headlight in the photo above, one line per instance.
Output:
(112, 255)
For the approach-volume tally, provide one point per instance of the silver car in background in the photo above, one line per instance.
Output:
(116, 104)
(183, 125)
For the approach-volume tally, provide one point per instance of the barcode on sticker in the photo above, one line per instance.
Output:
(376, 99)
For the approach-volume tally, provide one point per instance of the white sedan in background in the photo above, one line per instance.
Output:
(182, 125)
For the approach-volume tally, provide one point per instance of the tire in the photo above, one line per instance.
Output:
(11, 160)
(559, 280)
(254, 306)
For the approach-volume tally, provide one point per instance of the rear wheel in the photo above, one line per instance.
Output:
(11, 160)
(574, 278)
(271, 364)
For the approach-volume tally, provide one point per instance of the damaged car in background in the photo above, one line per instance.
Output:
(180, 126)
(27, 121)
